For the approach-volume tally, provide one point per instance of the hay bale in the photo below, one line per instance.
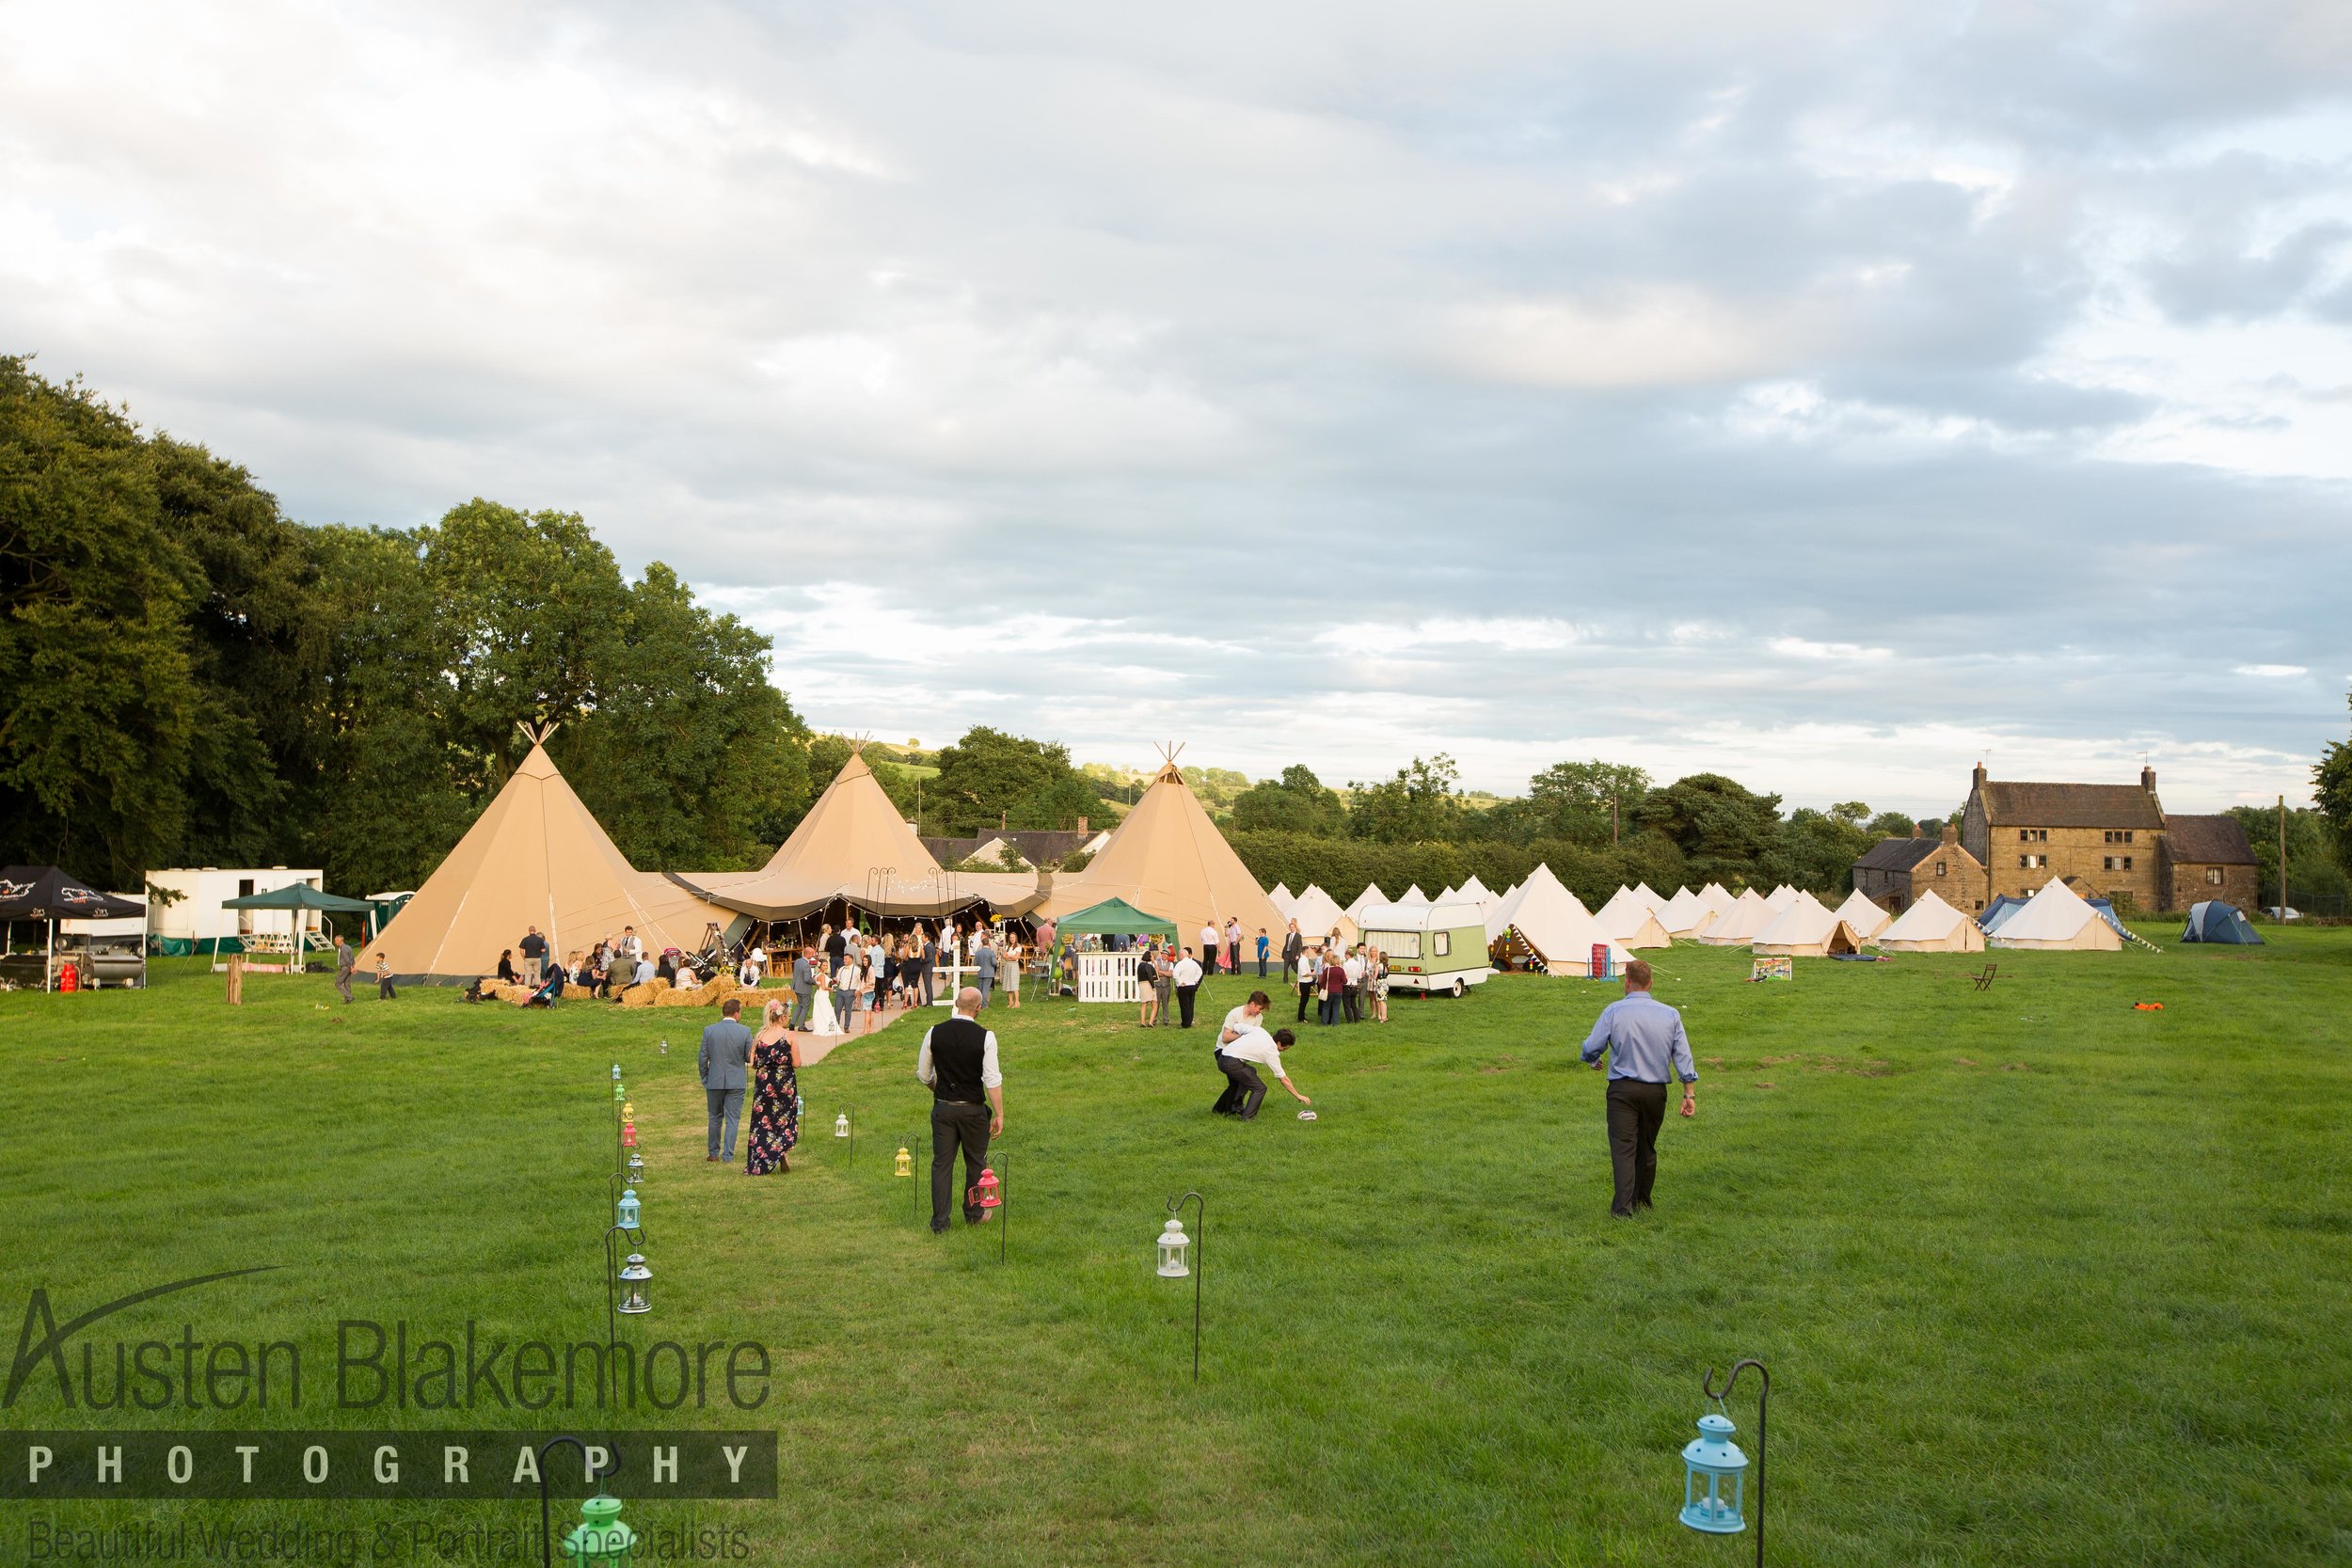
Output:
(645, 995)
(516, 994)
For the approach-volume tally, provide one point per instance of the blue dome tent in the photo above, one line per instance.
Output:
(2215, 921)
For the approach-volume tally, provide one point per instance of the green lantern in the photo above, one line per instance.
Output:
(600, 1540)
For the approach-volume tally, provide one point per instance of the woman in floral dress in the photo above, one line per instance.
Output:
(776, 1109)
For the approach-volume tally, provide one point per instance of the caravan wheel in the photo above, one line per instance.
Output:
(1460, 986)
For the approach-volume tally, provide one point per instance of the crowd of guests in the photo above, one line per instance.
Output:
(1346, 983)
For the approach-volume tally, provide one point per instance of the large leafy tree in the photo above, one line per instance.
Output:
(1297, 802)
(989, 778)
(127, 732)
(1586, 802)
(2332, 790)
(1420, 805)
(1726, 833)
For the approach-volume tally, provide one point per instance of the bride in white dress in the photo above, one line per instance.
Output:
(821, 1019)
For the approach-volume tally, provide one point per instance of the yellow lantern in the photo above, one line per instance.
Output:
(905, 1166)
(628, 1110)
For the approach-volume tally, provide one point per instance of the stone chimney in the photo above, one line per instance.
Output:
(1082, 824)
(1951, 833)
(1979, 776)
(2148, 779)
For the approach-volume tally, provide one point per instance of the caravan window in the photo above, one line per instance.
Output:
(1445, 942)
(1396, 944)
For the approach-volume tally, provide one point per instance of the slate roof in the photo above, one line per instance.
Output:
(1898, 854)
(2207, 841)
(2010, 804)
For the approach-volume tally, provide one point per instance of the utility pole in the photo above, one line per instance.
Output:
(1613, 819)
(2282, 859)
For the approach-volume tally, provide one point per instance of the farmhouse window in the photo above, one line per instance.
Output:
(2212, 876)
(1939, 868)
(2032, 863)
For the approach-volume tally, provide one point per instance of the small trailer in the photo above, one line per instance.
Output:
(1430, 947)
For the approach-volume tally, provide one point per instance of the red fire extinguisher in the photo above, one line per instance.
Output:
(68, 978)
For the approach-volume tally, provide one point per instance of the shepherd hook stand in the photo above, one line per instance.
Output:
(1199, 1261)
(1762, 1398)
(547, 1523)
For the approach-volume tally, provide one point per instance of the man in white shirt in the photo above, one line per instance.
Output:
(1208, 947)
(1308, 975)
(1250, 1015)
(1187, 986)
(1354, 995)
(958, 1063)
(1240, 1061)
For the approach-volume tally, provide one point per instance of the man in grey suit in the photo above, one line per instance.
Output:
(984, 960)
(346, 960)
(803, 988)
(726, 1053)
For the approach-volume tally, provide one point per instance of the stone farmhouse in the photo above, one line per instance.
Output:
(2106, 841)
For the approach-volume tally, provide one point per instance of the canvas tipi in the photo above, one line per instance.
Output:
(1932, 925)
(1319, 915)
(536, 857)
(1807, 928)
(1553, 925)
(1749, 914)
(1865, 916)
(854, 848)
(1168, 858)
(2054, 918)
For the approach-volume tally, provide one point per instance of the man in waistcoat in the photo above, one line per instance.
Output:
(958, 1063)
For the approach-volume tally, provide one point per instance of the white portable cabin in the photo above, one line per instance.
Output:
(196, 918)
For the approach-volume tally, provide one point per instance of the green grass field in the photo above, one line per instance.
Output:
(2040, 1279)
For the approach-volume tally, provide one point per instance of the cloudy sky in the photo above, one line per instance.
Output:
(1827, 393)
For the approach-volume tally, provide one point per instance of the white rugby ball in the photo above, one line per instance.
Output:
(1305, 1115)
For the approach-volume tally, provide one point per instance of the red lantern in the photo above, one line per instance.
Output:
(984, 1191)
(628, 1134)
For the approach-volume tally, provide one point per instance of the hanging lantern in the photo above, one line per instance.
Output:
(628, 1208)
(628, 1110)
(665, 1045)
(841, 1125)
(904, 1164)
(1172, 1245)
(633, 1276)
(616, 1072)
(600, 1540)
(620, 1091)
(636, 1170)
(1714, 1479)
(628, 1134)
(984, 1190)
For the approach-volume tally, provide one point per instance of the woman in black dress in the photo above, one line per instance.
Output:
(775, 1108)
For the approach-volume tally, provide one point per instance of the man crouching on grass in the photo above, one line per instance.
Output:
(1239, 1060)
(1645, 1040)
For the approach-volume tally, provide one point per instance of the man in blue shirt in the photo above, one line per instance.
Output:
(1645, 1041)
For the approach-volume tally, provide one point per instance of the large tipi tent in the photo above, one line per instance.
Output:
(1864, 916)
(1556, 927)
(854, 848)
(1807, 928)
(1168, 858)
(1364, 901)
(2058, 918)
(1319, 914)
(536, 857)
(1685, 914)
(1749, 914)
(1628, 919)
(1932, 925)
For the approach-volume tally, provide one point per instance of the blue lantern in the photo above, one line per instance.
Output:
(1714, 1479)
(628, 1208)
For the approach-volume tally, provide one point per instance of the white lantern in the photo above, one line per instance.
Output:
(841, 1125)
(634, 1278)
(1173, 1243)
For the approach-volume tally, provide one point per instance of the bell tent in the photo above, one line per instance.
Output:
(2056, 918)
(1865, 916)
(1748, 916)
(1364, 901)
(1807, 928)
(1932, 925)
(1628, 919)
(1685, 914)
(1554, 928)
(1318, 916)
(1282, 898)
